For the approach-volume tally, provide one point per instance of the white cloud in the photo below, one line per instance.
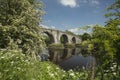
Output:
(44, 26)
(78, 31)
(81, 30)
(48, 27)
(75, 30)
(76, 3)
(70, 3)
(53, 27)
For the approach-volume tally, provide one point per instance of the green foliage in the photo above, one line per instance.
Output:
(22, 12)
(19, 26)
(46, 39)
(104, 45)
(85, 36)
(16, 66)
(113, 14)
(56, 46)
(69, 32)
(115, 8)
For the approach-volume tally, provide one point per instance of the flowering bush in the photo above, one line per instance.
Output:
(14, 65)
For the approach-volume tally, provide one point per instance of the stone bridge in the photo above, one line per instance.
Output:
(56, 36)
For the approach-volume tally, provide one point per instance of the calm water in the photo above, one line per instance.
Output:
(70, 58)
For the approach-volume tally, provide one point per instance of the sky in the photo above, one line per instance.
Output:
(73, 14)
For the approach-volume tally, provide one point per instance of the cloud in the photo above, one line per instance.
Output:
(53, 27)
(44, 26)
(48, 27)
(70, 3)
(76, 3)
(82, 30)
(74, 30)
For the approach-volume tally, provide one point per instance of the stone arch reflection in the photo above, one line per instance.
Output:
(65, 52)
(58, 56)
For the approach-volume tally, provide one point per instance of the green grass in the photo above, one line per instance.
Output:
(56, 46)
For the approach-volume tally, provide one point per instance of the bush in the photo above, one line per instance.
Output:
(16, 66)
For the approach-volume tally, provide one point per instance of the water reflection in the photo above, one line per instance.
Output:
(70, 58)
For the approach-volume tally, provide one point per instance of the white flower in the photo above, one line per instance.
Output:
(114, 65)
(63, 75)
(63, 71)
(114, 73)
(83, 68)
(48, 67)
(18, 68)
(72, 74)
(112, 68)
(71, 70)
(51, 74)
(2, 57)
(57, 68)
(12, 62)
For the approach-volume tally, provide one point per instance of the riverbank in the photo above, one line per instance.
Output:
(63, 45)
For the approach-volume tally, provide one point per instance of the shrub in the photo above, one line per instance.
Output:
(14, 65)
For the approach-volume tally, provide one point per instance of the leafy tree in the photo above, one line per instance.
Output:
(47, 40)
(86, 36)
(114, 24)
(19, 28)
(69, 32)
(115, 8)
(106, 42)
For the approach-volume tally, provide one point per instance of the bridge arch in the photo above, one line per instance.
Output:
(56, 36)
(51, 37)
(73, 40)
(64, 39)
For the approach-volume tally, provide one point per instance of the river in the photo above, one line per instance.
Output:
(70, 58)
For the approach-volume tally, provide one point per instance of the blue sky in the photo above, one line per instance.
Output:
(72, 14)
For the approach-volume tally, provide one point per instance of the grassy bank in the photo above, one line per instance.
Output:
(63, 46)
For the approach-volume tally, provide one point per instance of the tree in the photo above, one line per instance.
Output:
(19, 28)
(106, 41)
(114, 24)
(113, 14)
(69, 32)
(86, 36)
